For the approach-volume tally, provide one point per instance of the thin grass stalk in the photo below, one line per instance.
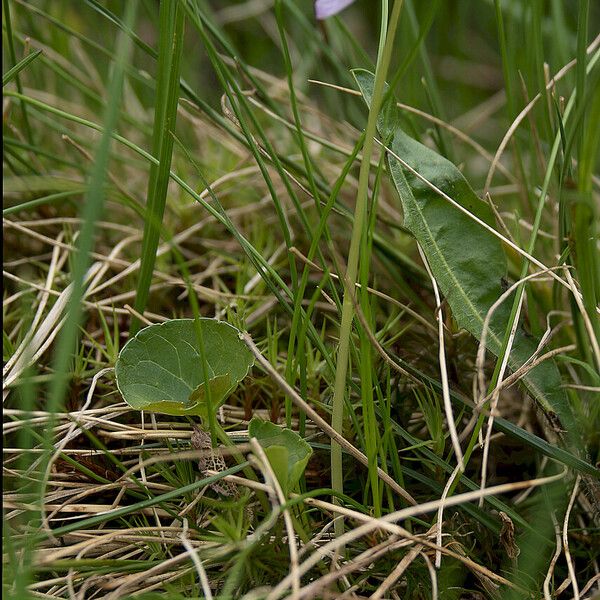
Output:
(122, 24)
(580, 70)
(14, 71)
(429, 82)
(417, 47)
(315, 193)
(49, 199)
(537, 44)
(330, 56)
(298, 312)
(92, 212)
(100, 48)
(337, 421)
(171, 19)
(22, 564)
(233, 93)
(366, 366)
(210, 409)
(508, 63)
(240, 64)
(586, 210)
(13, 58)
(586, 223)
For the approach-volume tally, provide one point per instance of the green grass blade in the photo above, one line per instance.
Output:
(165, 114)
(358, 231)
(13, 58)
(92, 211)
(14, 71)
(49, 199)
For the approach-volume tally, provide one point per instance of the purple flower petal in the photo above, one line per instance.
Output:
(328, 8)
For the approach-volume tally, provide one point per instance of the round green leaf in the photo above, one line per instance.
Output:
(287, 452)
(160, 369)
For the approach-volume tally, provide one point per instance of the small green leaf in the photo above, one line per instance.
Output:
(287, 452)
(279, 458)
(468, 261)
(160, 370)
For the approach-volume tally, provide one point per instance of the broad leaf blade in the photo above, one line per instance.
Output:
(467, 261)
(160, 370)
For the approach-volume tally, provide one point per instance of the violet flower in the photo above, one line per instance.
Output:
(328, 8)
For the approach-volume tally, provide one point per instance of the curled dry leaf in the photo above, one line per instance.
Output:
(213, 462)
(507, 536)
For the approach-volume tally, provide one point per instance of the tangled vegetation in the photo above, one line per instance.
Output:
(410, 409)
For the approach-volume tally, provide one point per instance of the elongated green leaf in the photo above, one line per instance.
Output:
(467, 261)
(12, 73)
(287, 452)
(171, 19)
(160, 370)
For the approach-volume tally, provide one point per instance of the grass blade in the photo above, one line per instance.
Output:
(92, 211)
(14, 71)
(165, 114)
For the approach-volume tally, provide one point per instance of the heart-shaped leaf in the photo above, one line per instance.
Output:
(468, 261)
(160, 369)
(287, 452)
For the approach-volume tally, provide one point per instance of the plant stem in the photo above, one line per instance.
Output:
(360, 212)
(165, 115)
(13, 61)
